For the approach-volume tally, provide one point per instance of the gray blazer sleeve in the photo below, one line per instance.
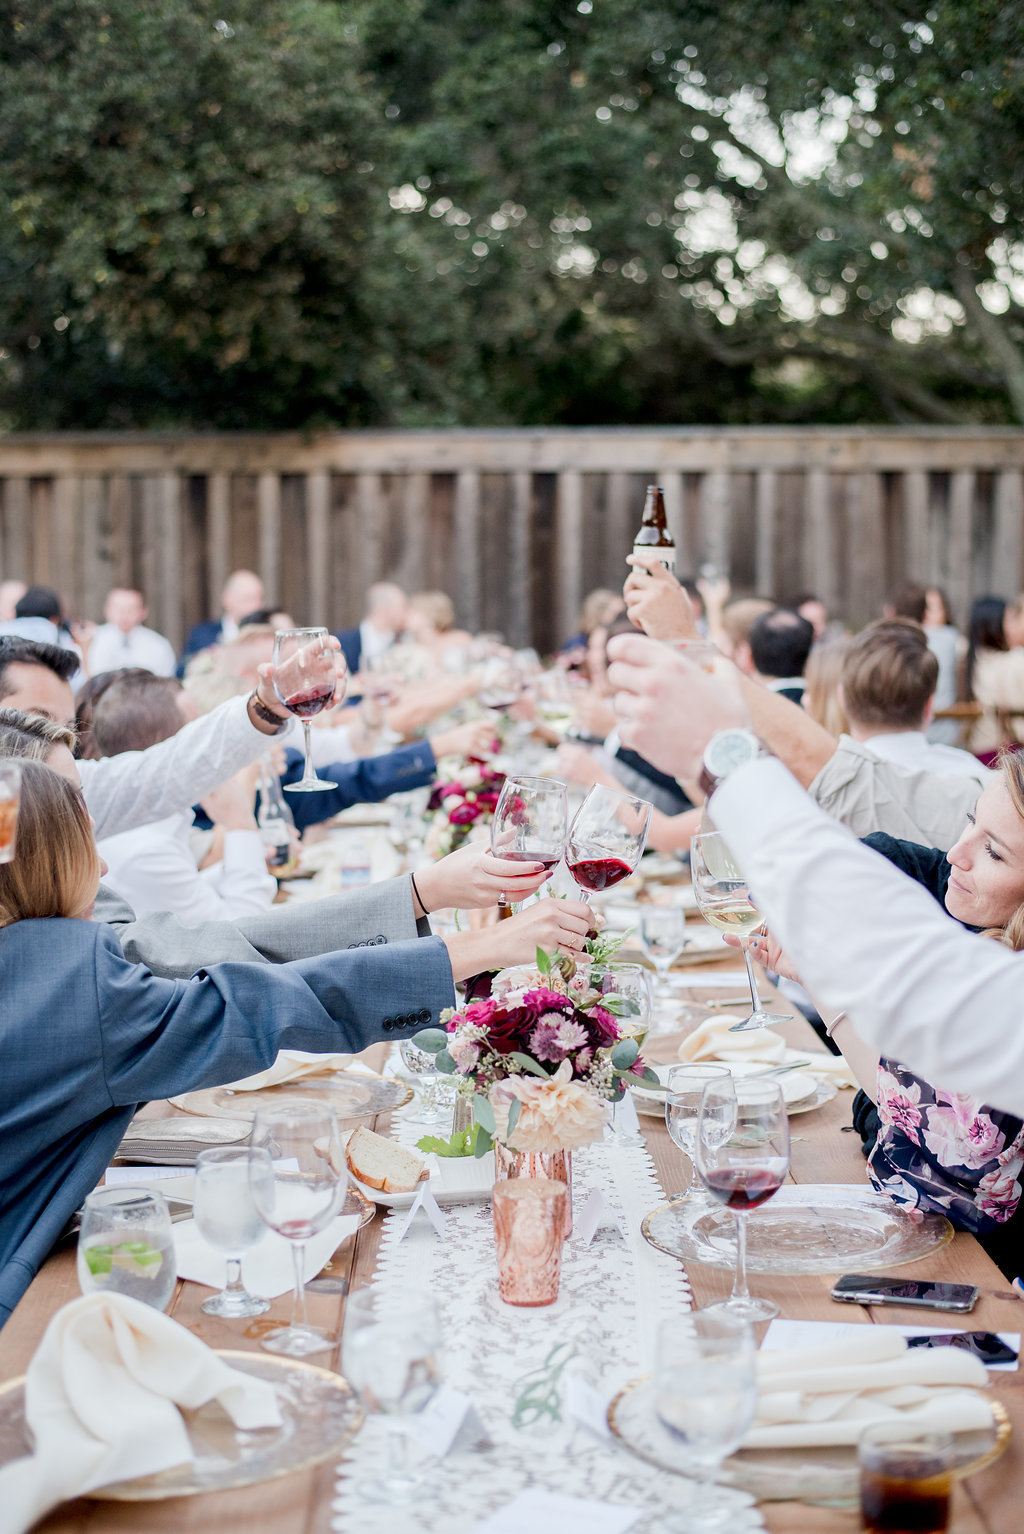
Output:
(362, 918)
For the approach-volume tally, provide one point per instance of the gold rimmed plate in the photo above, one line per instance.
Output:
(800, 1474)
(320, 1416)
(352, 1095)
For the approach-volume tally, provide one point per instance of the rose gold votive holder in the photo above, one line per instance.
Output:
(554, 1164)
(528, 1219)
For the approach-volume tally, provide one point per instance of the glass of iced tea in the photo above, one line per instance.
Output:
(905, 1479)
(10, 800)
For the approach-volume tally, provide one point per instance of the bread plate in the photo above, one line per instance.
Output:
(453, 1180)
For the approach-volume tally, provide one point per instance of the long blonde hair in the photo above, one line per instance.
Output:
(56, 868)
(1011, 765)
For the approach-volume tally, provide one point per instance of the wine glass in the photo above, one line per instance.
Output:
(684, 1090)
(723, 899)
(431, 1107)
(391, 1356)
(626, 992)
(744, 1168)
(227, 1219)
(303, 1196)
(125, 1246)
(607, 838)
(663, 935)
(502, 684)
(305, 677)
(529, 821)
(705, 1395)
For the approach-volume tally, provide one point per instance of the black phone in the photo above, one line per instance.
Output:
(986, 1346)
(880, 1289)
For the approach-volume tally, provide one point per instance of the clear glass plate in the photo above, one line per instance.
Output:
(351, 1094)
(320, 1412)
(807, 1475)
(813, 1228)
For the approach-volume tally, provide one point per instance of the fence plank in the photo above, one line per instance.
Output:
(18, 552)
(466, 568)
(568, 568)
(318, 492)
(961, 506)
(820, 562)
(1008, 536)
(520, 624)
(268, 511)
(764, 524)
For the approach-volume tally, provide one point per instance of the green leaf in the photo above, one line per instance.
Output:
(445, 1063)
(430, 1040)
(525, 1063)
(652, 1079)
(462, 1143)
(483, 1113)
(543, 962)
(515, 1107)
(624, 1054)
(484, 1142)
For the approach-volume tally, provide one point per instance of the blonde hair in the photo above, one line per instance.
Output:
(437, 606)
(56, 868)
(822, 675)
(32, 735)
(209, 689)
(1011, 765)
(739, 617)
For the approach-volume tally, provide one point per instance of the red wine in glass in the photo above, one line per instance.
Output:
(599, 873)
(547, 860)
(312, 701)
(740, 1188)
(305, 681)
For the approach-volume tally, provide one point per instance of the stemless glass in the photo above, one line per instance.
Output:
(227, 1219)
(744, 1168)
(529, 821)
(663, 935)
(627, 987)
(304, 1194)
(607, 838)
(430, 1107)
(391, 1355)
(305, 679)
(125, 1246)
(723, 898)
(683, 1094)
(705, 1394)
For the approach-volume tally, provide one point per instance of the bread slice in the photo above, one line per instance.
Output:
(382, 1164)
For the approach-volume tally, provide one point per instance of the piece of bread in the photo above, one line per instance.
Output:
(382, 1164)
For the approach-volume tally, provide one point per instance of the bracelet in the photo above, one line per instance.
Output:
(260, 709)
(831, 1027)
(419, 897)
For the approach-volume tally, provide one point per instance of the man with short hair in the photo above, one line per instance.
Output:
(888, 692)
(123, 640)
(242, 594)
(386, 611)
(780, 642)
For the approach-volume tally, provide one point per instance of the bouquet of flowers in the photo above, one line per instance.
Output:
(458, 804)
(542, 1056)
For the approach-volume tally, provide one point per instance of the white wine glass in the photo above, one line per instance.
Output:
(683, 1092)
(663, 935)
(607, 838)
(529, 823)
(744, 1168)
(227, 1218)
(723, 899)
(305, 680)
(303, 1196)
(705, 1395)
(391, 1355)
(430, 1106)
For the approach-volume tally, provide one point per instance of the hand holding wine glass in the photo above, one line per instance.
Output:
(529, 822)
(607, 838)
(305, 680)
(743, 1168)
(723, 899)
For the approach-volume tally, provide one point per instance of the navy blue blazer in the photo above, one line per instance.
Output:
(365, 781)
(86, 1036)
(201, 637)
(351, 648)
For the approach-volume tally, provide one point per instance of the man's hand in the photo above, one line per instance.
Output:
(474, 878)
(290, 672)
(656, 602)
(473, 739)
(667, 707)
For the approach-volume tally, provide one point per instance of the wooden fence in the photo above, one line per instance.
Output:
(516, 525)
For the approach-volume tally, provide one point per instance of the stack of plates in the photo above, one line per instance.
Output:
(178, 1141)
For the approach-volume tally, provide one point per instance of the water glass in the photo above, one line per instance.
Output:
(226, 1217)
(905, 1478)
(432, 1107)
(684, 1090)
(125, 1246)
(663, 935)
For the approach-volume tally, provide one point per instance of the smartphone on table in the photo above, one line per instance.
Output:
(925, 1293)
(986, 1346)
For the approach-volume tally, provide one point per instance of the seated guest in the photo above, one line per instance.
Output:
(123, 639)
(995, 675)
(153, 866)
(822, 699)
(811, 607)
(780, 642)
(39, 616)
(430, 623)
(242, 594)
(949, 647)
(888, 691)
(385, 620)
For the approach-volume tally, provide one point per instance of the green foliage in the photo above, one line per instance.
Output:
(415, 212)
(461, 1143)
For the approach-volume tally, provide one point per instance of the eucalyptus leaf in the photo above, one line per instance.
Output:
(515, 1107)
(624, 1054)
(430, 1040)
(445, 1063)
(483, 1113)
(652, 1079)
(525, 1063)
(484, 1142)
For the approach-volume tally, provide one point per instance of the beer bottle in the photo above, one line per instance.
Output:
(653, 532)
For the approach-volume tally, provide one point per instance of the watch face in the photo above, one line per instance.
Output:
(730, 749)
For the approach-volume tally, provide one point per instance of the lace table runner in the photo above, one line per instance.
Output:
(613, 1295)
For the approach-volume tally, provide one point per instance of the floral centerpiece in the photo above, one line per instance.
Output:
(457, 804)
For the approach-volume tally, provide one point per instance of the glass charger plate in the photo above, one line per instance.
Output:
(351, 1094)
(807, 1475)
(816, 1228)
(652, 1103)
(320, 1415)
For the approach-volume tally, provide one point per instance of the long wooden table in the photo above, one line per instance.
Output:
(988, 1503)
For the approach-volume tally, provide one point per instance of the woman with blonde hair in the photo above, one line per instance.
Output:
(822, 675)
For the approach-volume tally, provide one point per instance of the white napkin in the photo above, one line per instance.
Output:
(825, 1394)
(268, 1269)
(101, 1399)
(291, 1065)
(714, 1041)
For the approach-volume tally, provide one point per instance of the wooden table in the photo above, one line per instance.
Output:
(989, 1503)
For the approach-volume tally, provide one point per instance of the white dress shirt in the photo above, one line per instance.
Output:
(866, 938)
(112, 648)
(913, 749)
(373, 641)
(153, 869)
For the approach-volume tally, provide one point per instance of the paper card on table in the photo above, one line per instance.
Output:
(624, 1119)
(550, 1512)
(587, 1405)
(595, 1212)
(783, 1334)
(119, 1176)
(425, 1203)
(447, 1420)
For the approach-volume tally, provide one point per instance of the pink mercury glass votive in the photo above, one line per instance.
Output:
(528, 1219)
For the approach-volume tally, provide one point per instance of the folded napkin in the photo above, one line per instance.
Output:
(823, 1395)
(101, 1399)
(291, 1065)
(268, 1269)
(714, 1041)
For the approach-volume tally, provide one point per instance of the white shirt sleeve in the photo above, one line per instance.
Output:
(154, 870)
(239, 885)
(137, 787)
(864, 937)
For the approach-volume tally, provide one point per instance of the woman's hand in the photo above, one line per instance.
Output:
(656, 602)
(473, 877)
(575, 764)
(764, 949)
(473, 739)
(557, 926)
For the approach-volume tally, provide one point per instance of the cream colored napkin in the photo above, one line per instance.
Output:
(826, 1394)
(291, 1065)
(714, 1041)
(101, 1399)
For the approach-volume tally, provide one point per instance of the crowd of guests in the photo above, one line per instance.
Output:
(144, 774)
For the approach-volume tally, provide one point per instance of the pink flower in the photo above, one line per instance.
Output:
(957, 1135)
(463, 814)
(479, 1013)
(466, 1055)
(448, 789)
(557, 1114)
(1002, 1192)
(555, 1036)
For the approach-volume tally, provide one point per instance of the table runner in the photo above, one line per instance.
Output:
(613, 1294)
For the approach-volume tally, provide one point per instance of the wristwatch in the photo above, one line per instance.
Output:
(724, 752)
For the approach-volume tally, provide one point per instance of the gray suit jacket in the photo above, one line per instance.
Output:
(363, 918)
